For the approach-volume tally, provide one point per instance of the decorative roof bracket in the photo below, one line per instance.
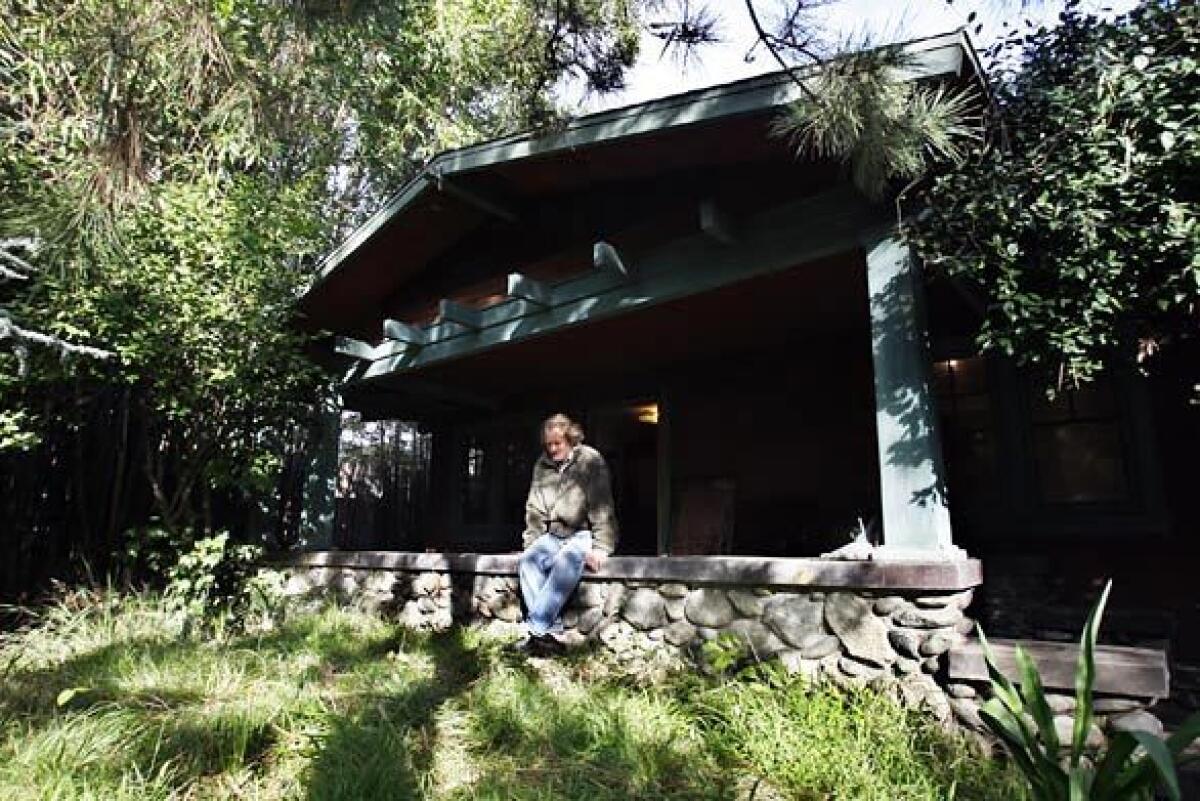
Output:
(522, 287)
(605, 257)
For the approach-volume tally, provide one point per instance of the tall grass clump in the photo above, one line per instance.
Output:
(104, 698)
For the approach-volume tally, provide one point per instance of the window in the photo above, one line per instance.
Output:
(475, 481)
(520, 450)
(968, 432)
(1078, 447)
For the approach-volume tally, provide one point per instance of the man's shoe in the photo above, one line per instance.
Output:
(538, 645)
(526, 646)
(549, 645)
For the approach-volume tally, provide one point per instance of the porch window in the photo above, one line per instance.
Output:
(519, 455)
(968, 428)
(1078, 447)
(475, 482)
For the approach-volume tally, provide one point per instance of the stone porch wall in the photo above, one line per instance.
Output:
(888, 624)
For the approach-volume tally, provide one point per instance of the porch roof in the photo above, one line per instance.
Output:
(460, 190)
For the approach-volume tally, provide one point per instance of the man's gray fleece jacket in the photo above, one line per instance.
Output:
(574, 497)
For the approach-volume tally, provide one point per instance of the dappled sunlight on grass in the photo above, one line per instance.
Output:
(339, 704)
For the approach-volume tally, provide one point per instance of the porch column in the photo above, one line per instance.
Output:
(915, 517)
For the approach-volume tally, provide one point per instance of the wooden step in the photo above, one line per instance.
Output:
(1120, 670)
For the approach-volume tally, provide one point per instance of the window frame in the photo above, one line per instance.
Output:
(1018, 506)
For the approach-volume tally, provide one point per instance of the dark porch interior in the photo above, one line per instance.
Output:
(753, 403)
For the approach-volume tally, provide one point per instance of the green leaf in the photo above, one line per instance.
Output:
(1159, 757)
(1085, 676)
(1035, 701)
(66, 696)
(1111, 766)
(1187, 732)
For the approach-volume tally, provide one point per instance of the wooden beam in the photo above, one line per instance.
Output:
(450, 311)
(479, 200)
(523, 287)
(773, 240)
(412, 396)
(716, 223)
(606, 257)
(403, 332)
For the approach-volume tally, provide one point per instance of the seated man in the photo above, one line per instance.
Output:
(569, 524)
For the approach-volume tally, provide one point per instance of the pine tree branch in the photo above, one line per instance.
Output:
(768, 41)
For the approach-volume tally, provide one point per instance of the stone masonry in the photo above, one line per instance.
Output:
(898, 640)
(851, 637)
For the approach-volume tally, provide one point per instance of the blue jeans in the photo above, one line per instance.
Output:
(549, 571)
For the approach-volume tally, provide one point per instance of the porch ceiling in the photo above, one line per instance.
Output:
(808, 306)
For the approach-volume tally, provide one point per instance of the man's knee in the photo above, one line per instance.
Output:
(575, 554)
(536, 556)
(528, 558)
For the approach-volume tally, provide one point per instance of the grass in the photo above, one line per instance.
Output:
(340, 704)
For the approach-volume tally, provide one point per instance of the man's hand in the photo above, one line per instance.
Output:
(595, 559)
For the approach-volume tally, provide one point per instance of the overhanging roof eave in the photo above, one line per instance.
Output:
(758, 93)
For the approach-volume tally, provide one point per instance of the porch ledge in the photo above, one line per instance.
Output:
(952, 575)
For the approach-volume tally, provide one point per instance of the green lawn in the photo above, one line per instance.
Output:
(340, 704)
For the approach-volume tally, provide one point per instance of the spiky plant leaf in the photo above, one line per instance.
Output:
(1085, 677)
(1158, 758)
(1112, 765)
(1035, 701)
(1140, 774)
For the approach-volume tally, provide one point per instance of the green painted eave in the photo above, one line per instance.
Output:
(941, 55)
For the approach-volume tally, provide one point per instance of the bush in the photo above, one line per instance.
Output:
(149, 552)
(1134, 764)
(218, 584)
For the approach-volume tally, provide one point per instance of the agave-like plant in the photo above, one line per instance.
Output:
(1130, 769)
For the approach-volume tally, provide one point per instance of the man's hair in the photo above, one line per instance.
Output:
(570, 430)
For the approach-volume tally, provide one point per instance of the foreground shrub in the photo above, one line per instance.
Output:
(219, 584)
(1132, 767)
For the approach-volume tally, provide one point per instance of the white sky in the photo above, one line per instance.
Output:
(880, 20)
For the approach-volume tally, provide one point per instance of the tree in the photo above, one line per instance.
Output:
(170, 173)
(854, 107)
(1077, 222)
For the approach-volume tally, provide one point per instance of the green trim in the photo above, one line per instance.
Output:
(914, 507)
(403, 332)
(943, 54)
(450, 311)
(664, 479)
(716, 223)
(771, 241)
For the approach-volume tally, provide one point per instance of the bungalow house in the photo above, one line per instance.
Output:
(767, 370)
